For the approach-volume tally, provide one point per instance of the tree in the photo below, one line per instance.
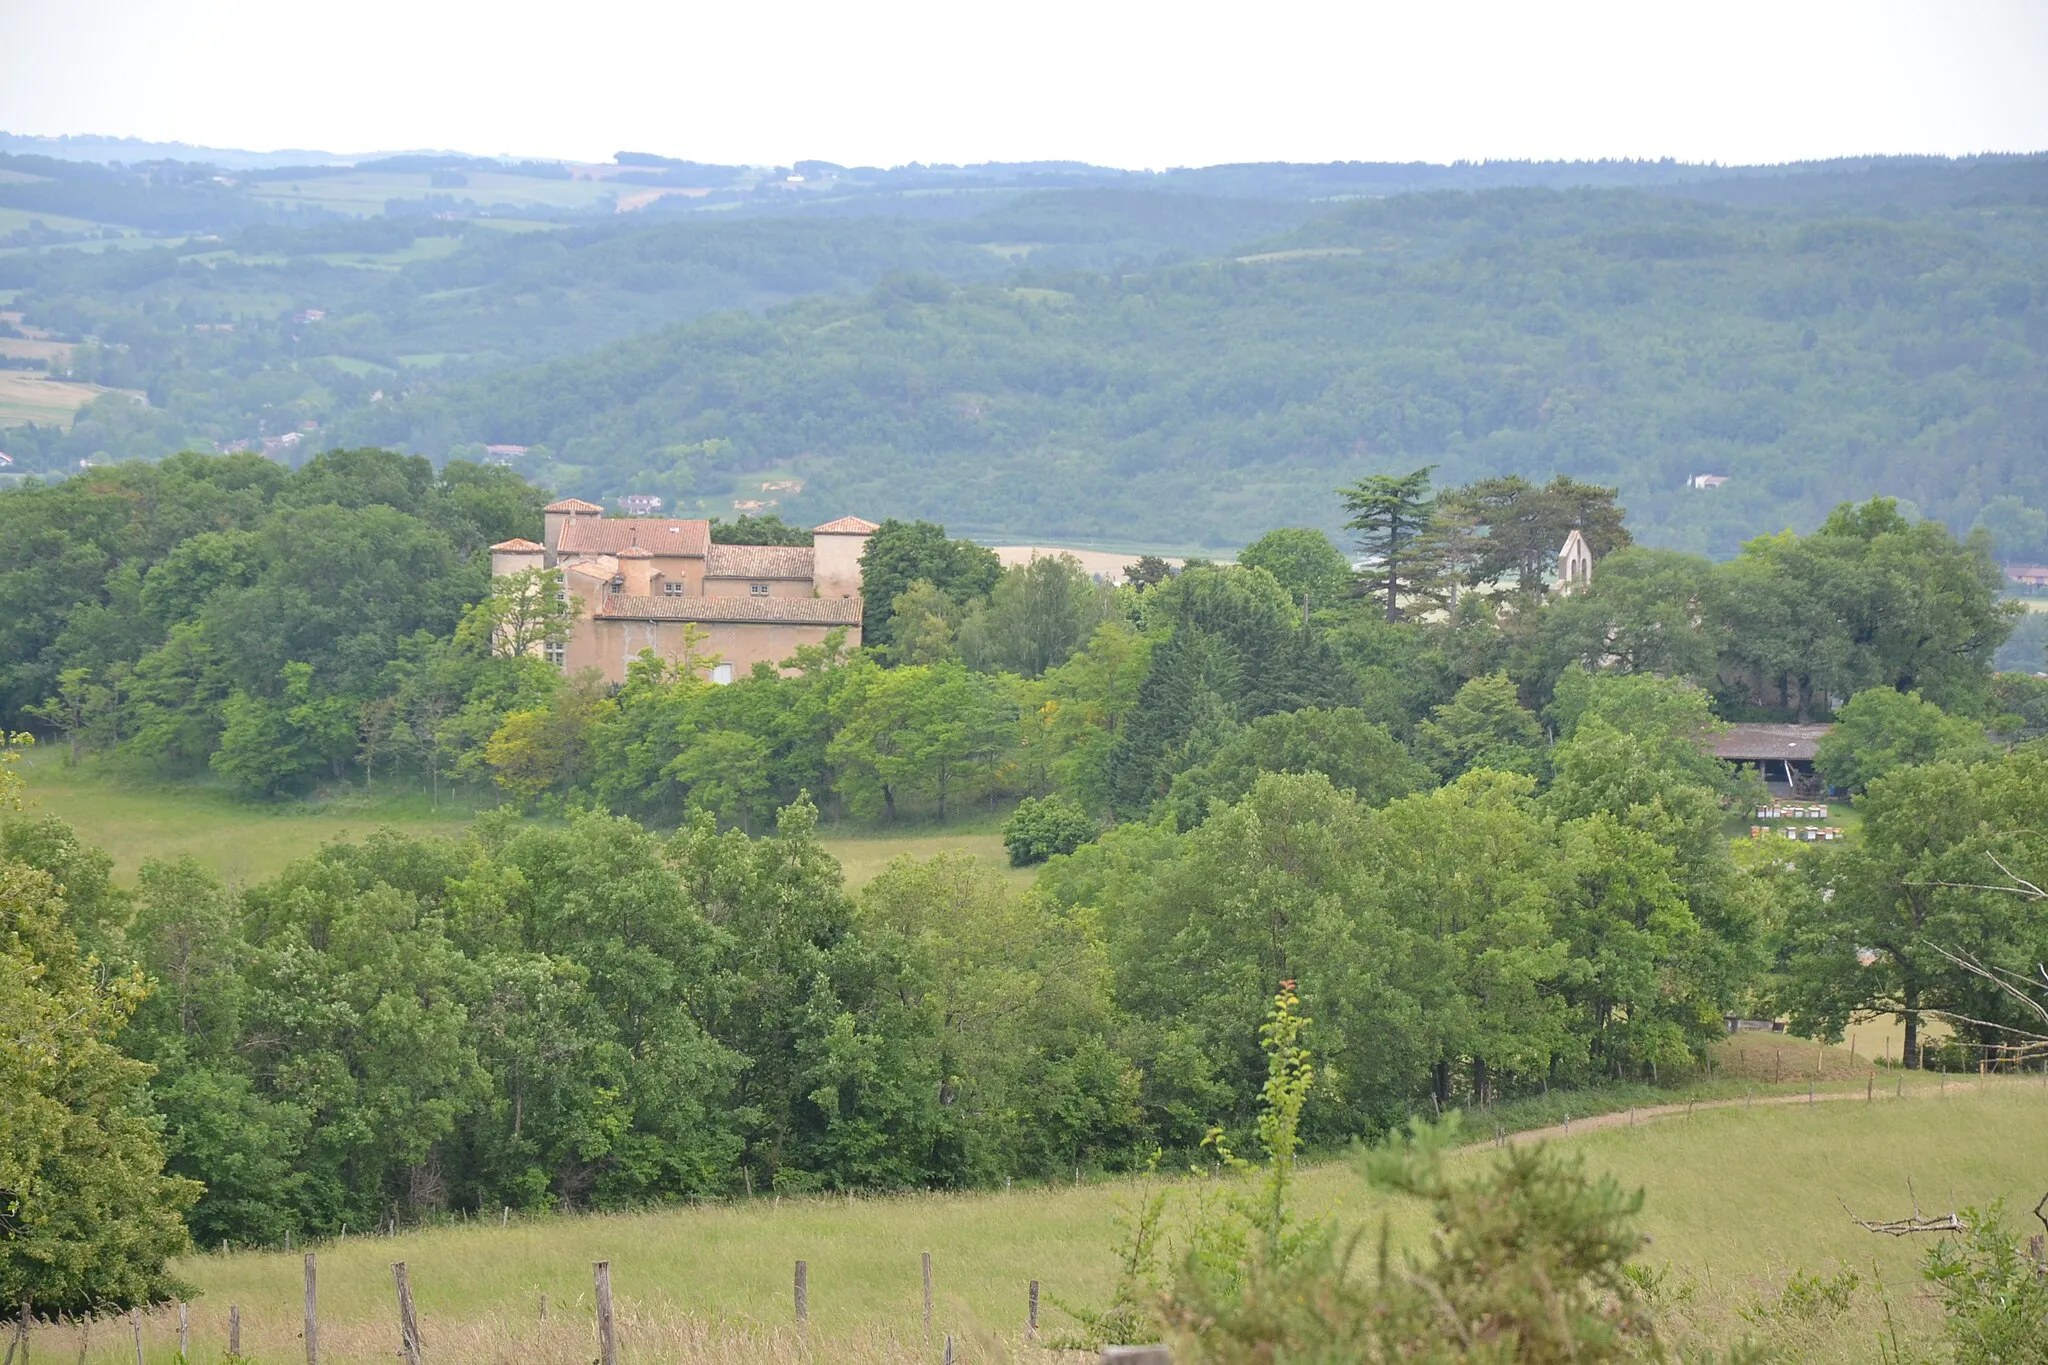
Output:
(90, 1218)
(1042, 828)
(526, 614)
(1037, 615)
(1878, 731)
(900, 553)
(1147, 571)
(915, 728)
(1307, 565)
(1356, 755)
(1526, 526)
(1390, 513)
(1484, 726)
(1867, 935)
(1646, 611)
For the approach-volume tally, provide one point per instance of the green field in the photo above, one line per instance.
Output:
(136, 819)
(1738, 1199)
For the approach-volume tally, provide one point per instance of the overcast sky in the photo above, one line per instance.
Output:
(1108, 81)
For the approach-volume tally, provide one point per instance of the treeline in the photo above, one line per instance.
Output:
(225, 610)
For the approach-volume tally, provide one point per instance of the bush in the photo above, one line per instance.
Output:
(1043, 826)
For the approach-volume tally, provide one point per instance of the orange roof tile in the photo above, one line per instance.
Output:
(572, 505)
(519, 546)
(760, 561)
(846, 526)
(802, 611)
(657, 535)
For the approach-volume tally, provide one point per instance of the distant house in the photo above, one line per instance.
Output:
(640, 504)
(306, 315)
(500, 454)
(1706, 481)
(1783, 754)
(2032, 577)
(660, 583)
(5, 459)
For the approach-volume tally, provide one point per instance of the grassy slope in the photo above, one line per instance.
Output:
(136, 820)
(1737, 1200)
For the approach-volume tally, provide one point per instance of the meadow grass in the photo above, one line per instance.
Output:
(1736, 1201)
(136, 817)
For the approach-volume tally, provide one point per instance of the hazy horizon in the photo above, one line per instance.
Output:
(1131, 86)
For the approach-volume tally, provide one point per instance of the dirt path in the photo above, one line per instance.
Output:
(1628, 1117)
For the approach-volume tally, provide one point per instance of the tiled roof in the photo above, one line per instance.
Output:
(1752, 742)
(801, 611)
(520, 547)
(635, 552)
(572, 505)
(657, 535)
(759, 561)
(846, 526)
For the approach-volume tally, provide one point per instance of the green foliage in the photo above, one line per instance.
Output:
(88, 1219)
(1357, 756)
(751, 528)
(1389, 514)
(1993, 1290)
(901, 553)
(1484, 726)
(1530, 1262)
(1042, 827)
(1036, 616)
(1879, 916)
(1304, 562)
(1879, 731)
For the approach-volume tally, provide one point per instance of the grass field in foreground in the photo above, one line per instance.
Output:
(1737, 1200)
(135, 820)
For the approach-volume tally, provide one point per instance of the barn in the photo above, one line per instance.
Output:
(1783, 754)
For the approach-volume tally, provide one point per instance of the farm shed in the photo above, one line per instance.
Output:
(1782, 753)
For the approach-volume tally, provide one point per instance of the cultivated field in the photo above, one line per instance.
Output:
(1738, 1199)
(26, 396)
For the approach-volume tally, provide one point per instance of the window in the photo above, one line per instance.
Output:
(721, 673)
(556, 652)
(672, 589)
(758, 589)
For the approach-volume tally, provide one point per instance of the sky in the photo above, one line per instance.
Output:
(1114, 82)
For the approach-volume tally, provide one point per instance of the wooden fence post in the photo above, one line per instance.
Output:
(408, 1321)
(135, 1326)
(607, 1338)
(184, 1332)
(312, 1314)
(803, 1294)
(543, 1308)
(928, 1294)
(1031, 1314)
(20, 1336)
(235, 1330)
(1869, 1088)
(949, 1348)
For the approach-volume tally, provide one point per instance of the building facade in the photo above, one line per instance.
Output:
(648, 582)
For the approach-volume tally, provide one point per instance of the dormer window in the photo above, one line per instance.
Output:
(672, 589)
(757, 589)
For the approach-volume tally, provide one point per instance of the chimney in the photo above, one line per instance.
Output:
(636, 567)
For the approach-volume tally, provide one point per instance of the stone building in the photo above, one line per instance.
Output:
(645, 581)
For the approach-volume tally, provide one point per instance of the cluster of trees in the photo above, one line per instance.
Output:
(1487, 843)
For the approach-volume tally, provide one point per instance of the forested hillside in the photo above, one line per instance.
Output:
(1061, 352)
(1606, 335)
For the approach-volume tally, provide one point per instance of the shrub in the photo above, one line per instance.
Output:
(1043, 826)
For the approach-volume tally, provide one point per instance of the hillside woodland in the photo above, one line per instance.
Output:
(1474, 824)
(1179, 362)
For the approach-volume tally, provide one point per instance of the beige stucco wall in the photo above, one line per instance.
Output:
(504, 563)
(836, 564)
(609, 645)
